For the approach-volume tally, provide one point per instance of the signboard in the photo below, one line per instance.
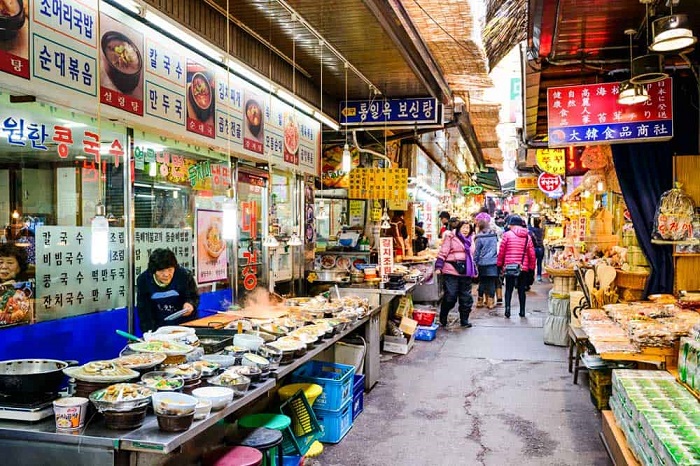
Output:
(589, 114)
(391, 112)
(549, 183)
(574, 162)
(66, 48)
(178, 240)
(472, 190)
(386, 256)
(212, 261)
(551, 161)
(523, 183)
(378, 183)
(67, 283)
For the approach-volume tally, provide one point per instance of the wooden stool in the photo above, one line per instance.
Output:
(577, 340)
(236, 456)
(265, 440)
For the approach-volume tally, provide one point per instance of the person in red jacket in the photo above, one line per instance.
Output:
(455, 262)
(517, 248)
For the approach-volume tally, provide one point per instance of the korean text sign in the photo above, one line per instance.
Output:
(590, 114)
(408, 111)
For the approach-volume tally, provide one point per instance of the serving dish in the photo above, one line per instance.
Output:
(233, 380)
(174, 404)
(206, 367)
(188, 372)
(101, 372)
(169, 348)
(162, 381)
(219, 397)
(121, 397)
(252, 372)
(138, 361)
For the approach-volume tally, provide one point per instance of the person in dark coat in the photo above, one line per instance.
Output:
(516, 248)
(444, 222)
(537, 235)
(163, 289)
(486, 257)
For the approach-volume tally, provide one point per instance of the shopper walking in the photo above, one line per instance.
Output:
(516, 256)
(537, 235)
(444, 223)
(456, 263)
(486, 258)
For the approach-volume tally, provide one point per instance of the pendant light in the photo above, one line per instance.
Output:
(631, 93)
(99, 246)
(347, 156)
(229, 215)
(648, 68)
(672, 33)
(294, 240)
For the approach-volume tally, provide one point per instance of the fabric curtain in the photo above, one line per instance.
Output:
(645, 171)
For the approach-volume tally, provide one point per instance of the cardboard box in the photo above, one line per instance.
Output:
(408, 326)
(399, 345)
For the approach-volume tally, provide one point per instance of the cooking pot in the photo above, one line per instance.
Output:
(32, 376)
(333, 276)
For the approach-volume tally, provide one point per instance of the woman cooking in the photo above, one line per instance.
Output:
(163, 289)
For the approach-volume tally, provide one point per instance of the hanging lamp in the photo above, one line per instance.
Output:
(294, 240)
(631, 93)
(347, 156)
(99, 244)
(648, 68)
(672, 33)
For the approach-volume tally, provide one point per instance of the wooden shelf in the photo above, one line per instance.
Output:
(615, 442)
(686, 254)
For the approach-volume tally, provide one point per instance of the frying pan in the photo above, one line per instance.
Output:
(32, 376)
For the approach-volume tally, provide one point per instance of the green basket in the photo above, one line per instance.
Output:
(305, 428)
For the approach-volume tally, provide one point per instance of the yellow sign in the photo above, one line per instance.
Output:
(376, 211)
(552, 161)
(398, 205)
(525, 182)
(378, 183)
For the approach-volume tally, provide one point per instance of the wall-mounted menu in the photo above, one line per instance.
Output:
(178, 240)
(67, 282)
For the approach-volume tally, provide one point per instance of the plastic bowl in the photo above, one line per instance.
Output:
(222, 360)
(202, 410)
(252, 342)
(170, 403)
(219, 397)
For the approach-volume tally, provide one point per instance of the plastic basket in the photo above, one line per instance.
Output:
(335, 379)
(426, 333)
(335, 423)
(424, 317)
(305, 428)
(292, 461)
(358, 396)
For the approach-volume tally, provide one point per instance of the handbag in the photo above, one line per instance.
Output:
(514, 270)
(460, 266)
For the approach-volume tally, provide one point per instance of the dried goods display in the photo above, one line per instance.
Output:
(674, 216)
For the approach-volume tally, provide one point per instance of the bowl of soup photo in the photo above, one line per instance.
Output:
(254, 116)
(12, 18)
(123, 61)
(201, 96)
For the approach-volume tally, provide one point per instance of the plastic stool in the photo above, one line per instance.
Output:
(237, 456)
(265, 440)
(268, 420)
(311, 392)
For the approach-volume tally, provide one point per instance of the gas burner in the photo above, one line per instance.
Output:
(27, 401)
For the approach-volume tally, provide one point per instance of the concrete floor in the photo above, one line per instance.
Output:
(493, 394)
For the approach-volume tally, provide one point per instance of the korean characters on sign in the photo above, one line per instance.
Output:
(548, 183)
(386, 255)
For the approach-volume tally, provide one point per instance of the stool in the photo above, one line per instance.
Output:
(577, 340)
(311, 392)
(236, 456)
(265, 440)
(270, 421)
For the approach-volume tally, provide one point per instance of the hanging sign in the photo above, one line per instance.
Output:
(523, 183)
(386, 256)
(574, 161)
(391, 112)
(551, 161)
(590, 114)
(472, 190)
(378, 183)
(212, 262)
(549, 183)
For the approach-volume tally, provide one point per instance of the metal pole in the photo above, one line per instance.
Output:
(129, 214)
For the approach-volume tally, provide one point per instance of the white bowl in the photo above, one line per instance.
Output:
(219, 397)
(202, 410)
(252, 342)
(173, 403)
(222, 360)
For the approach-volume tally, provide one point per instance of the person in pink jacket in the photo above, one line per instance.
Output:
(455, 262)
(517, 248)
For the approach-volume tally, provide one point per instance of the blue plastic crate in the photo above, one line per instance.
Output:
(358, 404)
(292, 460)
(335, 379)
(425, 333)
(335, 423)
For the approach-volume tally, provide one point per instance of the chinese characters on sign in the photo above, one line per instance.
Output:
(378, 183)
(590, 114)
(551, 161)
(67, 283)
(386, 256)
(179, 241)
(410, 111)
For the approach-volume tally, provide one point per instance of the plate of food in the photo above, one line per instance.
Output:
(291, 136)
(343, 263)
(328, 262)
(169, 348)
(101, 372)
(162, 381)
(141, 360)
(200, 96)
(121, 397)
(214, 245)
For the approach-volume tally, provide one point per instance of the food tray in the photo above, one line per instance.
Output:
(79, 373)
(335, 379)
(214, 343)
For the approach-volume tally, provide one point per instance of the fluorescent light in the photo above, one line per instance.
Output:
(347, 159)
(80, 157)
(177, 31)
(293, 101)
(229, 227)
(249, 74)
(146, 196)
(130, 5)
(326, 120)
(152, 169)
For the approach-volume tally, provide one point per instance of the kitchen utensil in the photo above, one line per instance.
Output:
(129, 336)
(590, 279)
(221, 359)
(176, 315)
(606, 276)
(32, 376)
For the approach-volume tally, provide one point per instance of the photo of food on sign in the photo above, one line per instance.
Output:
(16, 303)
(200, 100)
(212, 262)
(291, 139)
(254, 123)
(332, 174)
(14, 37)
(121, 66)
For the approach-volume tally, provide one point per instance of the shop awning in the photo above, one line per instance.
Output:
(489, 179)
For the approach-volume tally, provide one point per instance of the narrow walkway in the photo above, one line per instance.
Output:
(493, 394)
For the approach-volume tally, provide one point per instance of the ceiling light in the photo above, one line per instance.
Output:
(672, 33)
(326, 121)
(270, 242)
(631, 94)
(177, 32)
(294, 240)
(648, 69)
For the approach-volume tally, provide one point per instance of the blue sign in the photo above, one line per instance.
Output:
(612, 133)
(393, 112)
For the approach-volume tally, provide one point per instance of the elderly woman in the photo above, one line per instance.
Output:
(13, 264)
(456, 264)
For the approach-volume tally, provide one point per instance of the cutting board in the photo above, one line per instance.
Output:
(217, 321)
(268, 313)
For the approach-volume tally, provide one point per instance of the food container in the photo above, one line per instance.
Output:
(272, 354)
(266, 337)
(125, 420)
(237, 382)
(141, 361)
(274, 329)
(250, 359)
(202, 410)
(174, 403)
(188, 372)
(297, 301)
(206, 367)
(222, 360)
(162, 381)
(175, 423)
(213, 344)
(425, 317)
(357, 277)
(219, 397)
(121, 397)
(253, 373)
(70, 412)
(252, 342)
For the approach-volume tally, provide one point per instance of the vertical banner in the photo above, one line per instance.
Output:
(253, 123)
(386, 256)
(14, 38)
(200, 100)
(291, 139)
(121, 66)
(212, 263)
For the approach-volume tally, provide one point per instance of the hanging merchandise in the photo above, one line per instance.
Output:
(674, 216)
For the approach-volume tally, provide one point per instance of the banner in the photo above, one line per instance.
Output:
(212, 261)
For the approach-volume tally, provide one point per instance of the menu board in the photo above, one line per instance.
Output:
(212, 260)
(178, 240)
(67, 283)
(80, 52)
(379, 183)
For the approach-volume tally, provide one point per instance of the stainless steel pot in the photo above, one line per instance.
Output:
(31, 376)
(333, 276)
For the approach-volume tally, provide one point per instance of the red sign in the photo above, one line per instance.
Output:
(574, 164)
(590, 114)
(549, 183)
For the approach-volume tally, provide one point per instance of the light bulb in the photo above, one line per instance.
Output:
(385, 225)
(99, 247)
(152, 169)
(294, 240)
(176, 194)
(15, 215)
(347, 159)
(229, 223)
